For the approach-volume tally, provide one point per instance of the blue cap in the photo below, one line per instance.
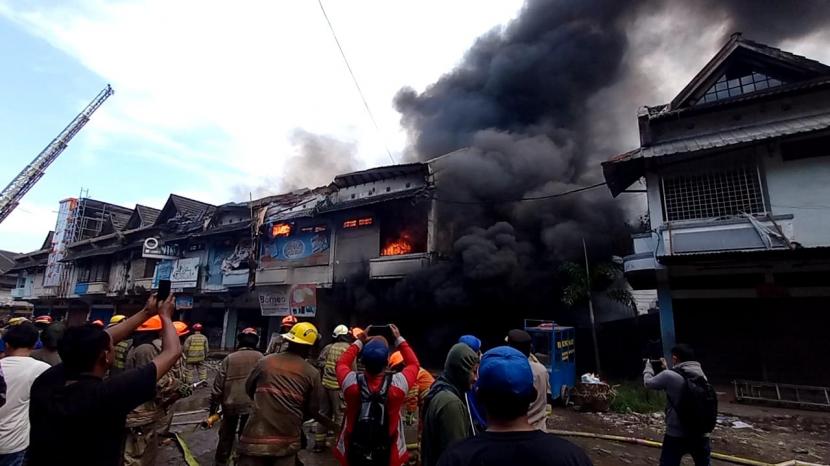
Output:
(375, 355)
(505, 370)
(471, 341)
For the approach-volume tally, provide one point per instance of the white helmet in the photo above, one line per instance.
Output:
(339, 331)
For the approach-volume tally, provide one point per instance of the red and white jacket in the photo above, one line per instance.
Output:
(395, 399)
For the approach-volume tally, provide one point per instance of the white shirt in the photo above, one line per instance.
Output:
(20, 372)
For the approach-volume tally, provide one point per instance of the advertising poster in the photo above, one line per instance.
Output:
(163, 271)
(303, 300)
(302, 248)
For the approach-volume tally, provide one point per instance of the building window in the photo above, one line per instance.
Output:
(150, 268)
(713, 194)
(725, 88)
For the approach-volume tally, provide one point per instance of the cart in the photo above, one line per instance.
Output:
(554, 347)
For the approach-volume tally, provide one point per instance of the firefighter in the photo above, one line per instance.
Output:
(286, 390)
(278, 343)
(195, 352)
(121, 349)
(229, 392)
(332, 402)
(141, 444)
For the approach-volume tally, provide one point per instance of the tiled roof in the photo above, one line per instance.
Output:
(190, 207)
(148, 214)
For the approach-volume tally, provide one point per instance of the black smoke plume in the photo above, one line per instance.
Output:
(531, 110)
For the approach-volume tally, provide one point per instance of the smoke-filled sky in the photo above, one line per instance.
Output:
(215, 101)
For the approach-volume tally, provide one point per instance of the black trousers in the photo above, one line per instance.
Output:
(674, 448)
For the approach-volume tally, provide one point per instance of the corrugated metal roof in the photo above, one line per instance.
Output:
(736, 136)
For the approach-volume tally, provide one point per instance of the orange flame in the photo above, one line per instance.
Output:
(280, 230)
(397, 247)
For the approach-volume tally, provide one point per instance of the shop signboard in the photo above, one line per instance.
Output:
(185, 273)
(154, 248)
(62, 237)
(184, 302)
(273, 301)
(163, 271)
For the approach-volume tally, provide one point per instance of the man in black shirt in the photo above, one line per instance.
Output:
(505, 390)
(77, 416)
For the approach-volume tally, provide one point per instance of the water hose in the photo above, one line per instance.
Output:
(189, 459)
(654, 444)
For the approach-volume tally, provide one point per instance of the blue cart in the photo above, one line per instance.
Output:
(554, 347)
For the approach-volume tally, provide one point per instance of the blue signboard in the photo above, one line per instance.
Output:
(163, 271)
(81, 288)
(309, 248)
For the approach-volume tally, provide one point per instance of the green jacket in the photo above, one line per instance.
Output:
(446, 416)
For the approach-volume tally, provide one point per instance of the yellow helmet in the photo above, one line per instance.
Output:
(117, 319)
(304, 333)
(17, 320)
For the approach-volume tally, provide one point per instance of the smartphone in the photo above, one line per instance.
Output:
(383, 331)
(164, 290)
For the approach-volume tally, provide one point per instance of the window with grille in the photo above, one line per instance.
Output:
(712, 194)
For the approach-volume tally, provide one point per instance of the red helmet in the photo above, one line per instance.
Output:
(98, 323)
(197, 327)
(44, 319)
(249, 331)
(289, 321)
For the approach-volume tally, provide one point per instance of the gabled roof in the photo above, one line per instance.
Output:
(6, 261)
(740, 51)
(142, 216)
(180, 206)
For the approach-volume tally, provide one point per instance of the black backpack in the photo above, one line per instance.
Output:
(370, 443)
(698, 404)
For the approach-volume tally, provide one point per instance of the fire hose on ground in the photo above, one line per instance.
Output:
(654, 444)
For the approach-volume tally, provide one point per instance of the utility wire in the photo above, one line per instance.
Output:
(356, 84)
(523, 199)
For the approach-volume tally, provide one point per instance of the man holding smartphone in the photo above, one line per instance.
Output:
(72, 402)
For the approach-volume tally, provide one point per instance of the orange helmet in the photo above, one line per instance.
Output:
(357, 332)
(181, 328)
(98, 323)
(289, 321)
(153, 324)
(395, 359)
(197, 327)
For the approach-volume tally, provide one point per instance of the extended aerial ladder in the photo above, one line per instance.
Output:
(10, 197)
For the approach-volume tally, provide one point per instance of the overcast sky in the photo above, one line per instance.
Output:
(209, 94)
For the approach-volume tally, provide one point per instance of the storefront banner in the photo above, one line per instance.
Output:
(307, 248)
(185, 273)
(303, 300)
(273, 301)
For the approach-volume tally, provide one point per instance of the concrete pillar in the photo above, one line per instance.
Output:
(664, 303)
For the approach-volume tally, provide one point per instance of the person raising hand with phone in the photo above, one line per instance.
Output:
(73, 402)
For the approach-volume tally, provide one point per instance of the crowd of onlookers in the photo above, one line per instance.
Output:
(101, 394)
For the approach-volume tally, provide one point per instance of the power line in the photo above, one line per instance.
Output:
(522, 199)
(356, 84)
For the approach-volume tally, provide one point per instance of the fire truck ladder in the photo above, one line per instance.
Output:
(10, 197)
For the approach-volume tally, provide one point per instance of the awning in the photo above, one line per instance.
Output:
(623, 170)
